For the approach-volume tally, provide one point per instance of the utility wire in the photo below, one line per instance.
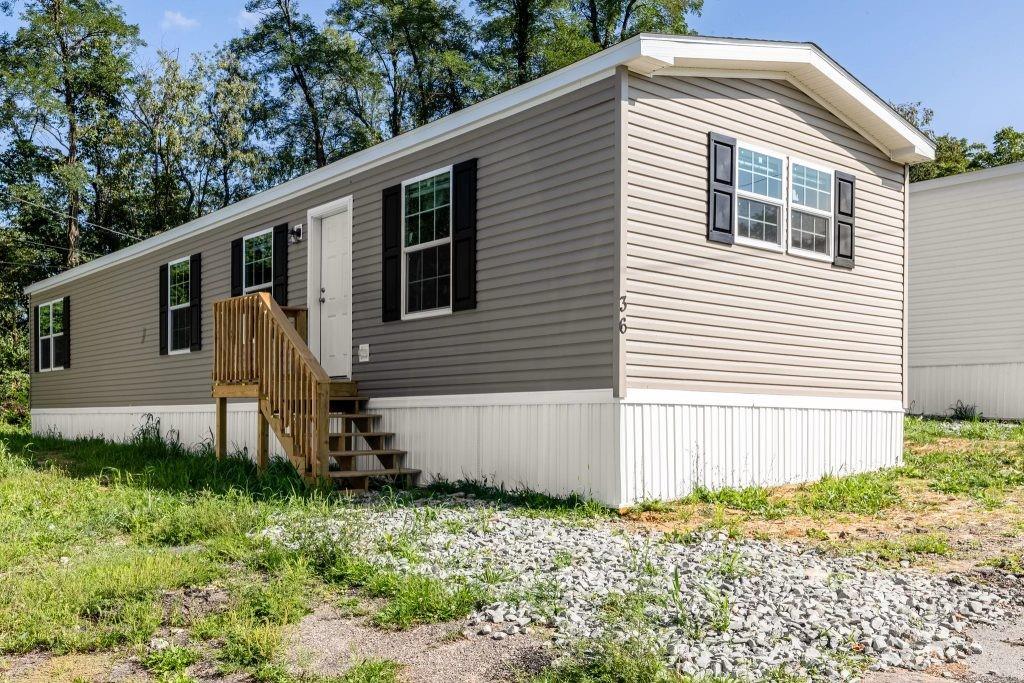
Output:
(37, 243)
(64, 215)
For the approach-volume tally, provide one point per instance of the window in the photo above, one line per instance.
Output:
(179, 318)
(427, 244)
(258, 261)
(51, 336)
(811, 219)
(759, 203)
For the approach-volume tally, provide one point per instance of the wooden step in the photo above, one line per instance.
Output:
(353, 474)
(353, 416)
(357, 453)
(363, 434)
(342, 388)
(346, 399)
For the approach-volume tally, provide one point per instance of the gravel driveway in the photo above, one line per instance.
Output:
(714, 605)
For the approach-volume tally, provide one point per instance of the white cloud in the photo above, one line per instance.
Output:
(247, 19)
(177, 20)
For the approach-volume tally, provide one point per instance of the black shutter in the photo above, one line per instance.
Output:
(391, 254)
(35, 338)
(845, 215)
(195, 302)
(721, 188)
(464, 235)
(236, 267)
(66, 351)
(163, 310)
(280, 290)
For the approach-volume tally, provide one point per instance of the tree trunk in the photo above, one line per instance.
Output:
(521, 39)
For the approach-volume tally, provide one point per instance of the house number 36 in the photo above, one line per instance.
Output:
(622, 320)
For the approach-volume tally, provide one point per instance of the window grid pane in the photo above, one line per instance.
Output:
(44, 320)
(258, 261)
(428, 210)
(812, 188)
(760, 174)
(758, 220)
(428, 281)
(179, 284)
(57, 317)
(809, 232)
(180, 328)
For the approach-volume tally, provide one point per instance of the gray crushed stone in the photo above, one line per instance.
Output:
(743, 608)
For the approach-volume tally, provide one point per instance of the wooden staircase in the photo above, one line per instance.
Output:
(359, 438)
(260, 352)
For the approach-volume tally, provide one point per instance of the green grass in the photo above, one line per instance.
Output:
(920, 430)
(1010, 562)
(978, 472)
(903, 548)
(170, 660)
(524, 501)
(755, 499)
(867, 494)
(100, 538)
(371, 671)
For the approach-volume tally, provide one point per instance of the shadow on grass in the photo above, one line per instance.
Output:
(149, 460)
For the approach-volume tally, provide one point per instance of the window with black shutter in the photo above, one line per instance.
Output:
(429, 244)
(181, 305)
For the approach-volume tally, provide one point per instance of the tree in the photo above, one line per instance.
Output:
(423, 51)
(1007, 148)
(65, 71)
(513, 33)
(287, 51)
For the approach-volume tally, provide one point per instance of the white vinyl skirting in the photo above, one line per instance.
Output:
(997, 389)
(656, 444)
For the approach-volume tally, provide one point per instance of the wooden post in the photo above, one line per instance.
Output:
(323, 439)
(262, 440)
(222, 427)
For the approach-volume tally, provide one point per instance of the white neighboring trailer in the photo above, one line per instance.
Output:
(966, 280)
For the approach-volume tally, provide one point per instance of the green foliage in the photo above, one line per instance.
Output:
(371, 671)
(607, 661)
(14, 379)
(171, 659)
(964, 411)
(977, 472)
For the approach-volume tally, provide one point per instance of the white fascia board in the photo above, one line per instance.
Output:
(733, 56)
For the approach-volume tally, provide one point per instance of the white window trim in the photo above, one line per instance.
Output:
(781, 203)
(269, 286)
(793, 206)
(51, 337)
(434, 312)
(170, 308)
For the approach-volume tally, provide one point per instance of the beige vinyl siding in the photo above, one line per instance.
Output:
(966, 274)
(545, 277)
(711, 317)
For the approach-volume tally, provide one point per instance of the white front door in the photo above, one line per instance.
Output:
(336, 293)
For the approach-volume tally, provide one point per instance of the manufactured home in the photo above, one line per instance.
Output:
(680, 262)
(966, 337)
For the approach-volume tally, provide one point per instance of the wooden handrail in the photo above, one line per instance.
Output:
(255, 343)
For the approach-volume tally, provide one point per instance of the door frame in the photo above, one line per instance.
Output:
(314, 263)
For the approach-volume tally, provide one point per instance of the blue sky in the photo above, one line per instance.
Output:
(963, 59)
